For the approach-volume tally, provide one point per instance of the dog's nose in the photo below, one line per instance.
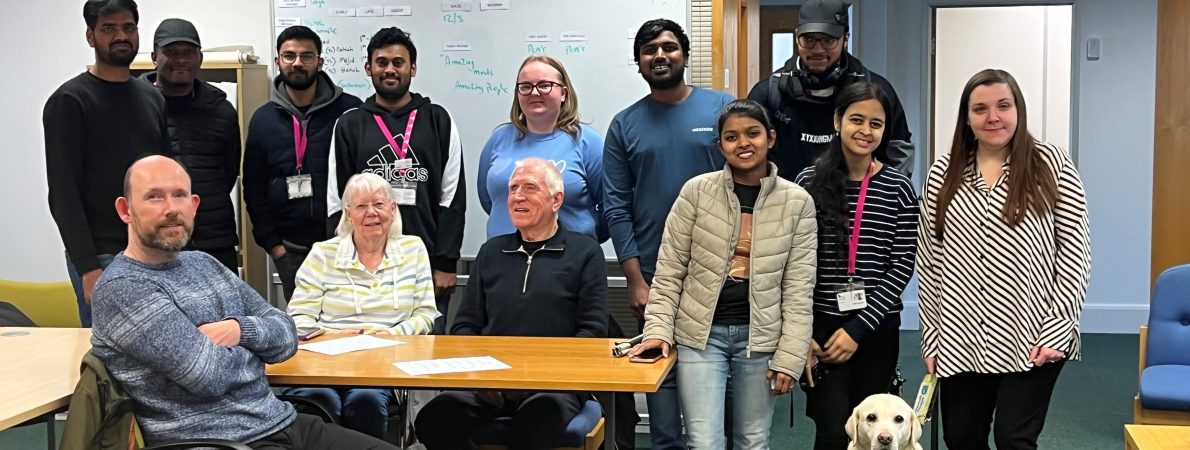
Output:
(885, 439)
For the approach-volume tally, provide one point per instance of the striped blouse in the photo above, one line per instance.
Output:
(884, 258)
(990, 292)
(334, 291)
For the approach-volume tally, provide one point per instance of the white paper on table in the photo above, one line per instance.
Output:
(351, 344)
(451, 365)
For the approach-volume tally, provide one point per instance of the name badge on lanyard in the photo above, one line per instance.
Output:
(852, 296)
(299, 185)
(404, 180)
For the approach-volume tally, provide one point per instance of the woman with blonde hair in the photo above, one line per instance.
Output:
(544, 123)
(368, 279)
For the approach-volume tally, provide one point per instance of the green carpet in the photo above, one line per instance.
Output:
(1092, 402)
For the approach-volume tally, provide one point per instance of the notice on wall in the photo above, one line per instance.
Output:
(456, 5)
(285, 22)
(398, 10)
(342, 12)
(573, 36)
(487, 5)
(370, 11)
(291, 3)
(537, 37)
(456, 46)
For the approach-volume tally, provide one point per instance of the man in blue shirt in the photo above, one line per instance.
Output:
(652, 148)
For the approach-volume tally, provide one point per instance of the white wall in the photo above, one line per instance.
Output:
(1113, 136)
(53, 49)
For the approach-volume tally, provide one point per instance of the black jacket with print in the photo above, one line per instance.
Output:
(436, 154)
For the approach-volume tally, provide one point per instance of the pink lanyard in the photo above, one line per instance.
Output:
(853, 243)
(404, 148)
(299, 142)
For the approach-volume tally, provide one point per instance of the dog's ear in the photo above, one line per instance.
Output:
(915, 429)
(852, 427)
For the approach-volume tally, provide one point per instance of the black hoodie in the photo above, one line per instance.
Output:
(204, 133)
(436, 151)
(805, 124)
(270, 157)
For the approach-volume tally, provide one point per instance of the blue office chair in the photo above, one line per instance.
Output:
(1164, 397)
(584, 432)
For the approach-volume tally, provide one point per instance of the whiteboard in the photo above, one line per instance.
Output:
(469, 53)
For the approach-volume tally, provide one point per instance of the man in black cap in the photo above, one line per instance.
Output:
(800, 97)
(204, 134)
(96, 124)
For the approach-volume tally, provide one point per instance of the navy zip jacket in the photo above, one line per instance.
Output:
(270, 157)
(559, 290)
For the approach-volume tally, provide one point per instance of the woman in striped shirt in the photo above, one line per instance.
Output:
(1004, 257)
(369, 279)
(867, 230)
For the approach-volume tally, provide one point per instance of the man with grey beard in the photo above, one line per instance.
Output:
(96, 124)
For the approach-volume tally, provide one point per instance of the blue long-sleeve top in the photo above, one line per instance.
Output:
(652, 149)
(580, 161)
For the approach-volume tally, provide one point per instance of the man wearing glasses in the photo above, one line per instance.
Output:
(285, 156)
(800, 96)
(96, 124)
(415, 146)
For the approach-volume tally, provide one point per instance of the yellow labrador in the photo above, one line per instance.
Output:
(883, 422)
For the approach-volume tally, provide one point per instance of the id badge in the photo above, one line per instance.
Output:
(299, 186)
(852, 296)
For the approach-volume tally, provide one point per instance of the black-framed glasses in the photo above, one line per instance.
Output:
(807, 41)
(307, 58)
(543, 87)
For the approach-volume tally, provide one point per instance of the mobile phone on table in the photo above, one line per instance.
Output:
(305, 334)
(647, 357)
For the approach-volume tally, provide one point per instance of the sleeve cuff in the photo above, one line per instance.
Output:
(249, 332)
(1056, 333)
(856, 328)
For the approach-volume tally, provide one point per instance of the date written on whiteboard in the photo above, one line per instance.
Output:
(456, 5)
(342, 12)
(398, 10)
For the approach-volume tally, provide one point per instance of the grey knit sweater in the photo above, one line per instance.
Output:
(146, 320)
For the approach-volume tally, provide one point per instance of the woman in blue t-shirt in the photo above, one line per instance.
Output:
(544, 123)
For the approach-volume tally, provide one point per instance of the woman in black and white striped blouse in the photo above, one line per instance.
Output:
(1004, 261)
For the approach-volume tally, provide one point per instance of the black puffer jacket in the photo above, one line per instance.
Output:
(204, 133)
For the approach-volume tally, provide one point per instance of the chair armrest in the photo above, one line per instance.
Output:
(1144, 341)
(215, 443)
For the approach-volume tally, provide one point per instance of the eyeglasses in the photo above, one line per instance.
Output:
(807, 41)
(543, 87)
(363, 208)
(307, 58)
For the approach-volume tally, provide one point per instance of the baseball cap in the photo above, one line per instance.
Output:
(823, 16)
(175, 30)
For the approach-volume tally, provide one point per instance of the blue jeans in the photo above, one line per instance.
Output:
(363, 410)
(76, 280)
(702, 383)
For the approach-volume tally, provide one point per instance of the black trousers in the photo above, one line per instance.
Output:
(843, 386)
(311, 433)
(537, 421)
(1019, 401)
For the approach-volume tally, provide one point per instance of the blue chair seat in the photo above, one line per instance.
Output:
(496, 433)
(1165, 388)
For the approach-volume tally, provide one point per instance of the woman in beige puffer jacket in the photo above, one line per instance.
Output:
(733, 287)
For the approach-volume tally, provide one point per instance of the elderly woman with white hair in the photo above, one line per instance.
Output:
(368, 279)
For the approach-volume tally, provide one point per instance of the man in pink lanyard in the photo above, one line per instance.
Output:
(285, 156)
(415, 145)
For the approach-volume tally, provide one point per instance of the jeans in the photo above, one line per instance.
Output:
(665, 412)
(288, 265)
(362, 410)
(76, 279)
(309, 433)
(702, 383)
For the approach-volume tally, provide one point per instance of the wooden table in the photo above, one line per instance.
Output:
(1156, 437)
(39, 368)
(542, 364)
